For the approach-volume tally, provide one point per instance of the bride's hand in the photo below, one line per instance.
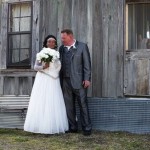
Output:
(46, 65)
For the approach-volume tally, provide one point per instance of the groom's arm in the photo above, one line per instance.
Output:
(86, 63)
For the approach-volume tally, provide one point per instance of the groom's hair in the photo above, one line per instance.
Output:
(67, 31)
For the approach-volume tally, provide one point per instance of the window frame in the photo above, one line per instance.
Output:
(10, 33)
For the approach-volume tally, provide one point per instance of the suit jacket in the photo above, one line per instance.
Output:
(80, 64)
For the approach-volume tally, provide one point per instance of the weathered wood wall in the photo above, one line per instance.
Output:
(98, 23)
(60, 14)
(16, 83)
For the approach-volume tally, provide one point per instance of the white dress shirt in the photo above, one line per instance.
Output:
(73, 45)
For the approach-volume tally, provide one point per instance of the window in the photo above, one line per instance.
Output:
(19, 35)
(138, 25)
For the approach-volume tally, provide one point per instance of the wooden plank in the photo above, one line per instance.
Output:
(112, 12)
(9, 84)
(17, 73)
(79, 22)
(35, 30)
(82, 25)
(64, 16)
(1, 85)
(16, 85)
(61, 4)
(43, 21)
(0, 29)
(97, 50)
(142, 77)
(112, 48)
(16, 1)
(3, 36)
(137, 1)
(120, 52)
(25, 85)
(89, 35)
(0, 13)
(104, 11)
(48, 17)
(30, 85)
(130, 76)
(52, 9)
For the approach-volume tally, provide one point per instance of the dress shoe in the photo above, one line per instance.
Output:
(72, 131)
(86, 133)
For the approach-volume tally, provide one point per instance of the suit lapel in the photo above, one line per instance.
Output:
(61, 53)
(74, 50)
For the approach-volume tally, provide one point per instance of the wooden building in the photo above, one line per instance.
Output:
(118, 35)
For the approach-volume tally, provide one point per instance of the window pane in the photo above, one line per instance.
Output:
(15, 55)
(25, 9)
(138, 26)
(24, 55)
(25, 24)
(14, 41)
(25, 41)
(15, 10)
(14, 24)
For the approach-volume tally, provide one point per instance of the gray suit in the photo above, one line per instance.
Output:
(76, 67)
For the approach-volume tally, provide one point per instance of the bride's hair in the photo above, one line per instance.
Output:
(45, 41)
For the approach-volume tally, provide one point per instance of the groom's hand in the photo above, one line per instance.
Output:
(86, 83)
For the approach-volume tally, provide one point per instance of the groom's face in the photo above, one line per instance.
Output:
(66, 38)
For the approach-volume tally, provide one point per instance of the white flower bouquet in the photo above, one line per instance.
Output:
(47, 55)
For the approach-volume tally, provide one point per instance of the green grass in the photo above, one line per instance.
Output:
(20, 140)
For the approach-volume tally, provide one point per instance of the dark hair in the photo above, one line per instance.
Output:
(67, 31)
(45, 40)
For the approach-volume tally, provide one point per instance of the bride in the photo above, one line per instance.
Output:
(46, 112)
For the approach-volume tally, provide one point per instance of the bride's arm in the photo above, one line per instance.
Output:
(38, 66)
(57, 66)
(54, 69)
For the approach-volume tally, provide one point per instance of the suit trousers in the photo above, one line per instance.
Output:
(70, 95)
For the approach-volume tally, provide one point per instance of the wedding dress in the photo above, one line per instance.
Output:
(46, 112)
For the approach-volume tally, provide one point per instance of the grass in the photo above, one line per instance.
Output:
(19, 140)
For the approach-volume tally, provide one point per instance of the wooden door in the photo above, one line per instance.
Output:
(137, 73)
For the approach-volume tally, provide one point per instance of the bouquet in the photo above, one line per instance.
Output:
(47, 55)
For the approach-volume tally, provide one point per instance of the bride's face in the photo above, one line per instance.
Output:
(51, 43)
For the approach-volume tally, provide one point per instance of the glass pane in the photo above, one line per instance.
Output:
(139, 26)
(25, 40)
(25, 9)
(14, 25)
(24, 55)
(14, 41)
(25, 24)
(15, 10)
(15, 55)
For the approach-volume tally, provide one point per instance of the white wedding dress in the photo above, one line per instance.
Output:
(46, 112)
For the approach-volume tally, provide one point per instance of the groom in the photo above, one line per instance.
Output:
(75, 78)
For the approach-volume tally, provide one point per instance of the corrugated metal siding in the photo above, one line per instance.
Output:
(12, 111)
(132, 115)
